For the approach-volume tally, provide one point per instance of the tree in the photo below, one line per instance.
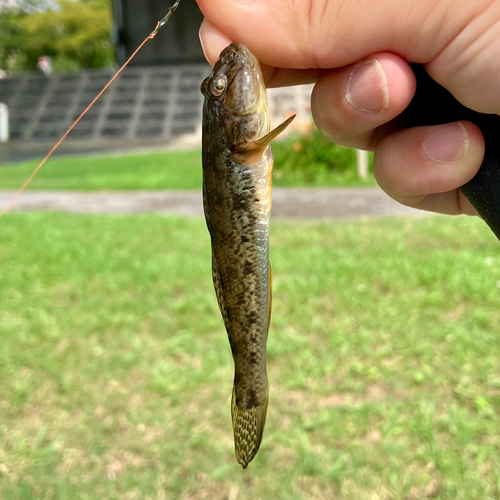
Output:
(12, 37)
(74, 33)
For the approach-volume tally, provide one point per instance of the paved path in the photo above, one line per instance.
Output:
(287, 202)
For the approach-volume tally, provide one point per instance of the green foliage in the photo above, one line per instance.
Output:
(62, 63)
(76, 34)
(311, 159)
(12, 38)
(77, 30)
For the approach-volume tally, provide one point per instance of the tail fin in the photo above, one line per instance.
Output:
(248, 427)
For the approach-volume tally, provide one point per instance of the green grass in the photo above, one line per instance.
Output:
(115, 370)
(166, 170)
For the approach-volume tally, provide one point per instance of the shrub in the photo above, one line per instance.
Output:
(312, 159)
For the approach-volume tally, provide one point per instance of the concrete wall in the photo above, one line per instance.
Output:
(149, 106)
(176, 43)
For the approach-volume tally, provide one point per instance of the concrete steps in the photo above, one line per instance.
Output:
(147, 106)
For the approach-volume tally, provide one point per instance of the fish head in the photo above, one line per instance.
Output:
(235, 96)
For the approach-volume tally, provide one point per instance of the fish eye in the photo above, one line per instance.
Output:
(218, 86)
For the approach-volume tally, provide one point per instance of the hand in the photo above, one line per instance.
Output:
(357, 53)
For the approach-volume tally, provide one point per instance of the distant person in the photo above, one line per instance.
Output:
(45, 65)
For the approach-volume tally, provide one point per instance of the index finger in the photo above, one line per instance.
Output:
(213, 41)
(304, 34)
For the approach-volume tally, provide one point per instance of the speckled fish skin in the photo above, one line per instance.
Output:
(237, 203)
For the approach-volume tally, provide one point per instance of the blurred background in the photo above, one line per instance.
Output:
(56, 56)
(115, 369)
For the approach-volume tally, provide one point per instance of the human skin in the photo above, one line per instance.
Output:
(360, 105)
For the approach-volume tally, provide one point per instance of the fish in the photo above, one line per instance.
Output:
(237, 164)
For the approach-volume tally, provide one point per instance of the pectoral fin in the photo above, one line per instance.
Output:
(251, 151)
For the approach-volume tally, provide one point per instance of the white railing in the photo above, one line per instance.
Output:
(4, 132)
(362, 161)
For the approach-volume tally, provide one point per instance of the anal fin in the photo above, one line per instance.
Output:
(218, 291)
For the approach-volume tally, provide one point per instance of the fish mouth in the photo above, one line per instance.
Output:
(238, 50)
(245, 54)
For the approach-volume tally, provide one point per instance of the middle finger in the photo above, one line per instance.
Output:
(358, 105)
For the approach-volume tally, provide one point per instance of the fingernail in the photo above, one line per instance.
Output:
(201, 43)
(448, 144)
(367, 88)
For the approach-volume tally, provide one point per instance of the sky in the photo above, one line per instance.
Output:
(15, 3)
(8, 3)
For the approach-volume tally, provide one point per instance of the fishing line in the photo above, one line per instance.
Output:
(159, 25)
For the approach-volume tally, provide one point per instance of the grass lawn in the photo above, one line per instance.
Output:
(115, 370)
(165, 170)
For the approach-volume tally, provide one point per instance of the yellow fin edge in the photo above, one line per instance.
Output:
(251, 151)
